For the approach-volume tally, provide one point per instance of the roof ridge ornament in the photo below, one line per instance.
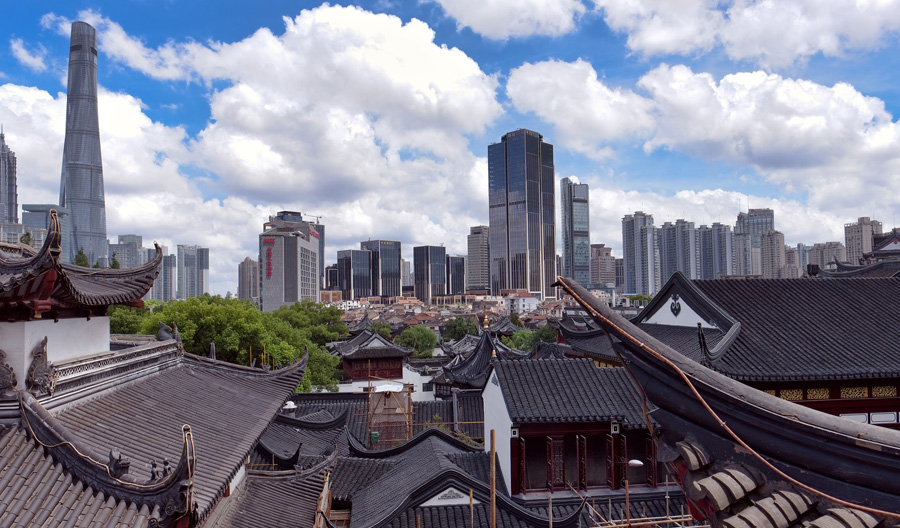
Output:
(7, 375)
(41, 374)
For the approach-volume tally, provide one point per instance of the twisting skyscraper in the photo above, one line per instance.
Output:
(81, 185)
(9, 205)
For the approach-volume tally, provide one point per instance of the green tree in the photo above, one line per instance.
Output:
(81, 259)
(125, 319)
(26, 238)
(458, 327)
(381, 328)
(514, 319)
(420, 338)
(316, 322)
(113, 263)
(547, 334)
(522, 340)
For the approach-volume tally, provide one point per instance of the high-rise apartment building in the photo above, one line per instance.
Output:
(430, 272)
(773, 255)
(803, 255)
(355, 273)
(456, 275)
(193, 271)
(387, 270)
(9, 200)
(825, 254)
(478, 273)
(288, 261)
(640, 254)
(678, 249)
(576, 231)
(248, 279)
(164, 286)
(791, 269)
(37, 216)
(522, 214)
(603, 265)
(716, 251)
(756, 223)
(128, 252)
(81, 184)
(405, 273)
(858, 238)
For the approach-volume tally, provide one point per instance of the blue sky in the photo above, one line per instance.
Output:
(377, 115)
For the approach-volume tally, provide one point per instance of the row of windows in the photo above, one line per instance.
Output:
(878, 391)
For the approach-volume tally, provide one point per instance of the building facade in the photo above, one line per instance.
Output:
(164, 287)
(825, 254)
(858, 238)
(478, 272)
(288, 261)
(193, 271)
(522, 214)
(405, 273)
(37, 216)
(678, 249)
(430, 272)
(603, 265)
(248, 279)
(715, 244)
(456, 275)
(773, 255)
(641, 254)
(387, 271)
(9, 201)
(576, 233)
(355, 273)
(128, 252)
(81, 183)
(756, 223)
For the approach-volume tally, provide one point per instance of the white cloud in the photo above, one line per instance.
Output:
(585, 112)
(769, 33)
(502, 19)
(33, 60)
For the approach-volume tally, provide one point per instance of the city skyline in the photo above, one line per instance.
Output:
(198, 131)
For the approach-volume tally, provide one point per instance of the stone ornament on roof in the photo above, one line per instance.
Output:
(7, 375)
(41, 374)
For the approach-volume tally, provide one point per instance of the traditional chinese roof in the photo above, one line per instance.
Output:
(359, 326)
(430, 467)
(504, 327)
(748, 459)
(544, 350)
(471, 370)
(880, 269)
(370, 345)
(284, 499)
(780, 329)
(227, 407)
(461, 346)
(567, 391)
(40, 282)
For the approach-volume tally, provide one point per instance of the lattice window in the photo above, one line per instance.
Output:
(770, 391)
(854, 392)
(792, 394)
(885, 391)
(818, 394)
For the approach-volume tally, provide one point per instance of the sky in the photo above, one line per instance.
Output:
(376, 116)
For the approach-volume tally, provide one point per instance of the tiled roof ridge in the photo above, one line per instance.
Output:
(243, 371)
(338, 421)
(139, 280)
(361, 451)
(169, 492)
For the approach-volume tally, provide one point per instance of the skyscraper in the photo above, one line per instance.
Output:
(9, 202)
(478, 275)
(288, 261)
(456, 275)
(405, 273)
(386, 269)
(81, 184)
(773, 255)
(193, 271)
(248, 279)
(641, 254)
(576, 232)
(678, 250)
(756, 223)
(522, 213)
(716, 251)
(603, 265)
(355, 273)
(430, 272)
(858, 237)
(164, 286)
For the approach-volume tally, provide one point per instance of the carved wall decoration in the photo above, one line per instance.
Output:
(675, 306)
(7, 374)
(41, 374)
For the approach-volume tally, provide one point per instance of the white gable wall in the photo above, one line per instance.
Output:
(686, 316)
(496, 417)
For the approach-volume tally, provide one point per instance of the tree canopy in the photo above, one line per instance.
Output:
(458, 327)
(81, 259)
(381, 328)
(420, 338)
(514, 319)
(243, 334)
(526, 339)
(113, 263)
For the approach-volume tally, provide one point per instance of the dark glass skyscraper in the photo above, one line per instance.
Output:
(9, 202)
(576, 231)
(81, 185)
(385, 266)
(355, 273)
(522, 213)
(430, 271)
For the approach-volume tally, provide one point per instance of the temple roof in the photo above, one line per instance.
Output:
(567, 391)
(880, 269)
(40, 282)
(471, 370)
(503, 326)
(370, 345)
(359, 326)
(781, 329)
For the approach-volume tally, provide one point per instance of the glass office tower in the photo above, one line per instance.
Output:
(576, 236)
(386, 269)
(522, 214)
(81, 184)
